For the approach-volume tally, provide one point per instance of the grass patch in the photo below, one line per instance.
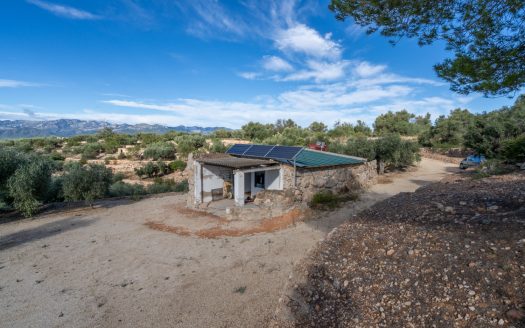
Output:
(327, 200)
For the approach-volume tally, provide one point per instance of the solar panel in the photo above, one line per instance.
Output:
(265, 151)
(258, 150)
(238, 149)
(284, 152)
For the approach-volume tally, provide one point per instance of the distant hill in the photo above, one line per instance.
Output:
(68, 128)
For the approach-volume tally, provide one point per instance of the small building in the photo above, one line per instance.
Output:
(246, 170)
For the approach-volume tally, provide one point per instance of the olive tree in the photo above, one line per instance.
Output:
(487, 37)
(87, 182)
(30, 184)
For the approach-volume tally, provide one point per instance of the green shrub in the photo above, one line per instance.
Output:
(160, 150)
(396, 153)
(120, 189)
(494, 167)
(91, 150)
(10, 160)
(325, 199)
(56, 156)
(514, 149)
(119, 176)
(390, 149)
(177, 165)
(87, 183)
(189, 143)
(110, 146)
(217, 146)
(359, 146)
(162, 186)
(30, 184)
(151, 169)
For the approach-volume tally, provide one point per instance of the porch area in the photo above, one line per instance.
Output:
(223, 177)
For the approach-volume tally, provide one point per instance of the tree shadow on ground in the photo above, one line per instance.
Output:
(61, 207)
(43, 231)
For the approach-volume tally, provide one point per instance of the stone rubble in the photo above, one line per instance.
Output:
(410, 261)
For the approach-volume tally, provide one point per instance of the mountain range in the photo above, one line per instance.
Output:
(67, 128)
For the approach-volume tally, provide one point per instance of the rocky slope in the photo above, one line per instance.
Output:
(452, 254)
(67, 128)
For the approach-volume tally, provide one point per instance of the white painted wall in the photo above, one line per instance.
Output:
(197, 182)
(238, 187)
(272, 180)
(212, 178)
(248, 178)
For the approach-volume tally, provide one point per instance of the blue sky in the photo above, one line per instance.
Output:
(210, 63)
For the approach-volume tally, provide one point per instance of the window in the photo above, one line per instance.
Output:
(259, 179)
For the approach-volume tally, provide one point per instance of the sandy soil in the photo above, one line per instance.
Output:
(105, 267)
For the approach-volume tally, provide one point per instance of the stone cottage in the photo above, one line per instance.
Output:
(247, 172)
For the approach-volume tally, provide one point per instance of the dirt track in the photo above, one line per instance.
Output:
(104, 267)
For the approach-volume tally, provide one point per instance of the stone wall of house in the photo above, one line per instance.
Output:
(338, 179)
(190, 199)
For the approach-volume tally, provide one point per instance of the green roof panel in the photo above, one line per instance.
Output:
(315, 158)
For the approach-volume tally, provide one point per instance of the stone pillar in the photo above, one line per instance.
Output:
(197, 182)
(238, 188)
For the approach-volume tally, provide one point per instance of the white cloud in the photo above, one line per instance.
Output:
(303, 39)
(319, 71)
(64, 11)
(17, 84)
(365, 69)
(249, 75)
(326, 102)
(211, 19)
(339, 96)
(277, 64)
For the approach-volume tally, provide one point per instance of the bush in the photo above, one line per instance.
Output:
(120, 189)
(86, 182)
(189, 143)
(514, 149)
(493, 167)
(160, 150)
(56, 156)
(177, 165)
(162, 186)
(325, 199)
(152, 169)
(396, 153)
(91, 150)
(390, 149)
(360, 147)
(119, 176)
(30, 184)
(10, 160)
(217, 146)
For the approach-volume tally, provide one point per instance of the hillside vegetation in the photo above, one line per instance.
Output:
(36, 171)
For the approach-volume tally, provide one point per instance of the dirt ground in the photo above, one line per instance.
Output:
(104, 267)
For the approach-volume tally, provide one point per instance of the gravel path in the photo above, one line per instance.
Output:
(104, 267)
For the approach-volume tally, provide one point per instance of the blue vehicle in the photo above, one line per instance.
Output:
(472, 161)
